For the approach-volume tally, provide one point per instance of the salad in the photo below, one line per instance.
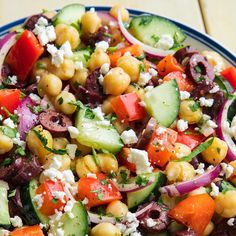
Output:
(110, 125)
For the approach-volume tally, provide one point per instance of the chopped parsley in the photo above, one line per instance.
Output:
(86, 57)
(218, 150)
(7, 161)
(40, 65)
(198, 69)
(107, 35)
(145, 20)
(112, 49)
(141, 180)
(99, 192)
(77, 103)
(14, 118)
(12, 193)
(226, 186)
(104, 182)
(35, 109)
(124, 176)
(141, 67)
(20, 151)
(194, 107)
(60, 100)
(155, 38)
(55, 201)
(112, 175)
(95, 157)
(89, 114)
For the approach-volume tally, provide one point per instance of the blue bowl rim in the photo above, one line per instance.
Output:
(193, 33)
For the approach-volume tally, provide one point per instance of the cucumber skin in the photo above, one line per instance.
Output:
(60, 16)
(159, 181)
(152, 96)
(29, 208)
(141, 31)
(4, 216)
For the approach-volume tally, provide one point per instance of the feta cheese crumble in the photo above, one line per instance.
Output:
(92, 175)
(152, 72)
(98, 113)
(73, 131)
(16, 221)
(165, 42)
(38, 200)
(85, 201)
(105, 68)
(79, 65)
(151, 222)
(227, 170)
(35, 98)
(59, 195)
(200, 170)
(230, 222)
(103, 45)
(215, 89)
(9, 122)
(184, 95)
(56, 162)
(129, 137)
(204, 102)
(215, 190)
(12, 79)
(140, 159)
(182, 125)
(144, 77)
(71, 150)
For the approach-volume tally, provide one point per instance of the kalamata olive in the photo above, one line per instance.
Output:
(202, 89)
(31, 21)
(146, 134)
(6, 71)
(223, 228)
(54, 121)
(187, 232)
(195, 162)
(158, 214)
(183, 54)
(199, 69)
(30, 89)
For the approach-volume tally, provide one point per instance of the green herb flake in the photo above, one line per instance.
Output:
(60, 100)
(20, 151)
(2, 86)
(77, 103)
(35, 109)
(194, 107)
(141, 180)
(104, 182)
(12, 193)
(19, 32)
(22, 95)
(86, 57)
(89, 114)
(107, 35)
(198, 150)
(40, 65)
(7, 161)
(112, 175)
(124, 176)
(218, 150)
(95, 157)
(198, 69)
(55, 201)
(141, 67)
(155, 38)
(112, 49)
(78, 152)
(44, 141)
(226, 186)
(145, 20)
(99, 193)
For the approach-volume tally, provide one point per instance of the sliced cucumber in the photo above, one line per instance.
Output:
(163, 102)
(94, 134)
(142, 195)
(33, 215)
(4, 211)
(70, 14)
(76, 226)
(82, 55)
(148, 29)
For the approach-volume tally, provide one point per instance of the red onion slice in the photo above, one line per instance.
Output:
(5, 45)
(96, 219)
(107, 19)
(27, 119)
(132, 187)
(151, 51)
(179, 189)
(143, 210)
(221, 120)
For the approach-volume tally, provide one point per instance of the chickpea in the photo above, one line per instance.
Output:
(106, 106)
(41, 67)
(6, 143)
(215, 59)
(117, 208)
(67, 33)
(208, 229)
(216, 152)
(65, 71)
(63, 101)
(90, 22)
(79, 78)
(135, 88)
(232, 178)
(60, 143)
(90, 163)
(124, 13)
(116, 81)
(131, 66)
(180, 150)
(108, 162)
(49, 84)
(81, 169)
(226, 204)
(97, 59)
(82, 148)
(60, 162)
(197, 191)
(35, 145)
(189, 112)
(105, 229)
(179, 171)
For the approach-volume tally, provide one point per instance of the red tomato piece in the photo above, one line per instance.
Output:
(10, 99)
(98, 191)
(24, 54)
(161, 146)
(195, 212)
(184, 83)
(34, 230)
(50, 203)
(230, 75)
(127, 107)
(190, 138)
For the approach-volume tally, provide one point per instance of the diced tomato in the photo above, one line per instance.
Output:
(98, 190)
(50, 203)
(168, 64)
(190, 138)
(10, 99)
(34, 230)
(161, 146)
(184, 83)
(230, 75)
(195, 212)
(122, 157)
(127, 107)
(24, 54)
(135, 50)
